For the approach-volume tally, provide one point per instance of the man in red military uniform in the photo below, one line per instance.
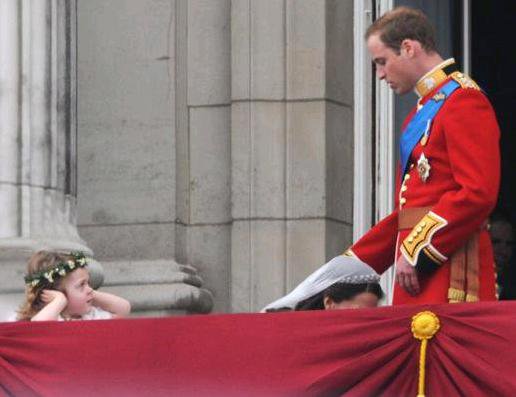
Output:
(448, 180)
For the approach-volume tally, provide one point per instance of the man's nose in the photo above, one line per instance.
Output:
(380, 72)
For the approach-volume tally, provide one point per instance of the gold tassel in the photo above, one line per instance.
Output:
(456, 295)
(424, 326)
(471, 298)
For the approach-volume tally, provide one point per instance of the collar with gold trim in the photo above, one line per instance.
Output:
(435, 77)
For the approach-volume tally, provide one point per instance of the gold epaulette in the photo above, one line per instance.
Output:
(464, 80)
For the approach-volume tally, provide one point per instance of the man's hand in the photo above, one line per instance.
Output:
(406, 276)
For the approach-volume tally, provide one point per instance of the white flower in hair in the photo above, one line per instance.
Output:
(49, 276)
(71, 264)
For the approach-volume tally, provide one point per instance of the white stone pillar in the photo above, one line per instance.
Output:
(37, 120)
(291, 143)
(203, 148)
(9, 117)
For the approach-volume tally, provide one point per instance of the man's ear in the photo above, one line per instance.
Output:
(409, 47)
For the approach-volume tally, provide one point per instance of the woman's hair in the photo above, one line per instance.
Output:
(339, 292)
(40, 262)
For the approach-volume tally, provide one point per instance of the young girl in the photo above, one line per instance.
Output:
(57, 288)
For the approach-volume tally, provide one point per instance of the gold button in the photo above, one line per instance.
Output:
(423, 224)
(404, 188)
(403, 200)
(419, 229)
(410, 239)
(407, 177)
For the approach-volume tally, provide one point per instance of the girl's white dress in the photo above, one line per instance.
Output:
(96, 313)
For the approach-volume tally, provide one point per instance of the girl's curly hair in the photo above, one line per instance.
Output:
(40, 261)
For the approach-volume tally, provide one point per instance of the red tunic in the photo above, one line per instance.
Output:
(461, 190)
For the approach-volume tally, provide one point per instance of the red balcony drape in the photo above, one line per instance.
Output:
(347, 352)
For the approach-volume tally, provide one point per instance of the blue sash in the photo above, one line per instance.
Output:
(421, 123)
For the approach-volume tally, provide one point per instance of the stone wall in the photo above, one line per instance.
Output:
(292, 149)
(217, 133)
(126, 121)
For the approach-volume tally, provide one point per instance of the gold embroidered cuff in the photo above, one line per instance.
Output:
(420, 238)
(427, 252)
(434, 255)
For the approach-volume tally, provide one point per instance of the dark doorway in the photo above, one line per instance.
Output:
(493, 66)
(493, 62)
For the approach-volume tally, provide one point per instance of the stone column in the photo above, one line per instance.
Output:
(291, 143)
(126, 153)
(38, 130)
(203, 148)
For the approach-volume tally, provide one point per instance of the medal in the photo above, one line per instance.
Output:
(423, 167)
(439, 97)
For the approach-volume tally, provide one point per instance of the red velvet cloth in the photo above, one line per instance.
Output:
(352, 352)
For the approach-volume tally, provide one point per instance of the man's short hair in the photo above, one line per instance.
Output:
(404, 23)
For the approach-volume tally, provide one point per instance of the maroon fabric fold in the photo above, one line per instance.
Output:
(347, 352)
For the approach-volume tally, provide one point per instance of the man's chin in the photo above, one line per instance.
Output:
(400, 91)
(394, 88)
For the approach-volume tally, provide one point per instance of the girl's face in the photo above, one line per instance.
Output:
(360, 301)
(77, 289)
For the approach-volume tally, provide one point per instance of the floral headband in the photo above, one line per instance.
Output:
(59, 270)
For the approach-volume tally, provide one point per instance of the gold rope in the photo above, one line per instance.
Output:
(422, 360)
(424, 326)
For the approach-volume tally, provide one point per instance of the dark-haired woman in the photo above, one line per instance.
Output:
(344, 296)
(343, 282)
